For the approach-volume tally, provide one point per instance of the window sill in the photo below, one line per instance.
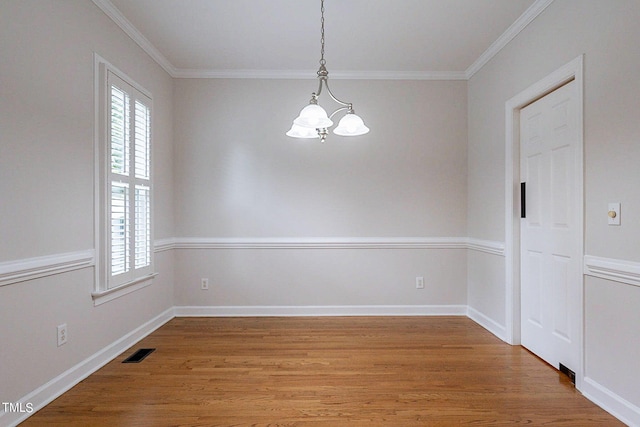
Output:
(104, 296)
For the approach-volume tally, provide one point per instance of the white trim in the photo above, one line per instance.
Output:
(119, 19)
(566, 73)
(341, 310)
(312, 74)
(162, 245)
(397, 75)
(488, 323)
(99, 134)
(116, 16)
(46, 393)
(108, 66)
(519, 24)
(322, 243)
(616, 405)
(102, 296)
(102, 68)
(486, 246)
(616, 270)
(34, 268)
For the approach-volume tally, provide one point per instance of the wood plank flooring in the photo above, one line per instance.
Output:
(327, 371)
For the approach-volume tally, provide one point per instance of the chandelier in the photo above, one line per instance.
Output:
(313, 121)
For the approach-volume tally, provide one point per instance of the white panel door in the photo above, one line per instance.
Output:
(550, 247)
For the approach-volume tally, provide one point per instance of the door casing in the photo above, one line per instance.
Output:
(571, 71)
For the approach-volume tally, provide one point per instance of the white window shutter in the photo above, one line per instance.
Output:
(119, 125)
(128, 232)
(142, 140)
(142, 244)
(120, 229)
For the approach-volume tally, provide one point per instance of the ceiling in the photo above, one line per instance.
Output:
(427, 39)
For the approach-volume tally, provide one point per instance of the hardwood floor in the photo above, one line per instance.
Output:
(329, 371)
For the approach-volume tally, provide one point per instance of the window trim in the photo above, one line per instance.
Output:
(102, 293)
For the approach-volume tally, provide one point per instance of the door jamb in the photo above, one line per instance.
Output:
(571, 71)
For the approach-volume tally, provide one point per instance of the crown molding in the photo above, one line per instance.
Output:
(520, 24)
(514, 29)
(398, 75)
(312, 74)
(202, 73)
(116, 16)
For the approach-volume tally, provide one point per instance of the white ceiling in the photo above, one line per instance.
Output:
(281, 38)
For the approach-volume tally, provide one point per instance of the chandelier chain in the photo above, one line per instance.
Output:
(322, 60)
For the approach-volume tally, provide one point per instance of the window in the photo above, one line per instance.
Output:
(123, 139)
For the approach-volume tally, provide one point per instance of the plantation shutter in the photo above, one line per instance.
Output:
(129, 183)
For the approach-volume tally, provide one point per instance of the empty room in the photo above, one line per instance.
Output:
(319, 212)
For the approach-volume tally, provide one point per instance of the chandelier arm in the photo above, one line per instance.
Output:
(316, 94)
(348, 108)
(346, 104)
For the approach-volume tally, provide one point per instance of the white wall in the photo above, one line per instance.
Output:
(606, 32)
(47, 187)
(239, 176)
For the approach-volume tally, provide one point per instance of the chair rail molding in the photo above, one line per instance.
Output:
(321, 243)
(616, 270)
(486, 246)
(25, 269)
(33, 268)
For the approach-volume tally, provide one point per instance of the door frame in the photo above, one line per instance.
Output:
(571, 71)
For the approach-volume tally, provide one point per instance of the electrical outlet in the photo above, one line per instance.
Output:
(419, 282)
(204, 284)
(62, 334)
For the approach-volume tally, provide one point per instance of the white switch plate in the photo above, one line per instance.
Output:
(419, 282)
(204, 284)
(613, 214)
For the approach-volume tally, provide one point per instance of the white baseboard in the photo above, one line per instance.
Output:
(489, 324)
(616, 405)
(346, 310)
(45, 394)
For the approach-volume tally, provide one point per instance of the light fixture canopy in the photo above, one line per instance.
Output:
(313, 121)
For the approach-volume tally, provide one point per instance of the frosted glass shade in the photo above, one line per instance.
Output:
(351, 125)
(297, 131)
(313, 116)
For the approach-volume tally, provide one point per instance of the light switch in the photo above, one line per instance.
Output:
(614, 214)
